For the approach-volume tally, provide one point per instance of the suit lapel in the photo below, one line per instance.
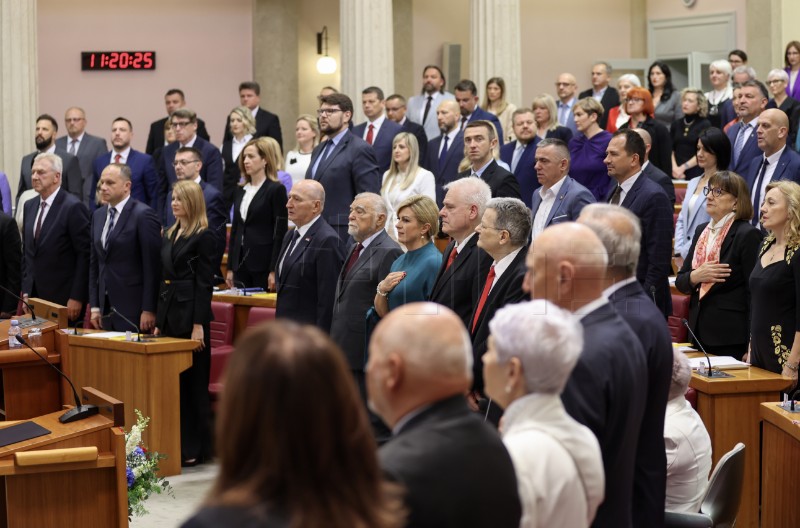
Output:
(451, 151)
(630, 196)
(121, 221)
(323, 165)
(50, 219)
(780, 167)
(559, 202)
(301, 246)
(498, 288)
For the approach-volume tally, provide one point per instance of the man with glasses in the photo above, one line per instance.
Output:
(187, 165)
(173, 100)
(344, 164)
(184, 123)
(566, 88)
(396, 111)
(82, 145)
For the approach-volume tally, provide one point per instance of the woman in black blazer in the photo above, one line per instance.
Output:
(259, 217)
(717, 269)
(242, 125)
(184, 310)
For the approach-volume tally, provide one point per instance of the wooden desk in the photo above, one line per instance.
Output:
(241, 306)
(729, 408)
(780, 467)
(143, 375)
(56, 495)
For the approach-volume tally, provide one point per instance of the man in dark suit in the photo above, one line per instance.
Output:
(620, 233)
(173, 100)
(184, 122)
(607, 390)
(653, 172)
(310, 259)
(467, 98)
(10, 262)
(503, 234)
(267, 123)
(464, 265)
(366, 264)
(777, 162)
(519, 154)
(125, 256)
(344, 164)
(55, 240)
(144, 179)
(566, 88)
(71, 180)
(752, 98)
(84, 146)
(560, 199)
(650, 203)
(455, 469)
(601, 91)
(377, 131)
(396, 111)
(446, 151)
(479, 141)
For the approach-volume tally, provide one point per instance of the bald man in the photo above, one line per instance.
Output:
(621, 232)
(454, 467)
(446, 151)
(777, 162)
(651, 171)
(310, 259)
(607, 390)
(566, 88)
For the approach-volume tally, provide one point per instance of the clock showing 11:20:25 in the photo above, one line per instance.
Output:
(118, 60)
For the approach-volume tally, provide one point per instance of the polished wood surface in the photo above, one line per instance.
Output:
(780, 467)
(241, 307)
(729, 408)
(49, 310)
(91, 492)
(143, 375)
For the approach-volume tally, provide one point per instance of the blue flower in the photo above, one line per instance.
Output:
(138, 452)
(131, 478)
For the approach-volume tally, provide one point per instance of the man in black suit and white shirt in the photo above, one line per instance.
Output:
(377, 130)
(267, 123)
(173, 100)
(71, 180)
(396, 111)
(455, 469)
(479, 141)
(601, 91)
(446, 151)
(84, 146)
(423, 108)
(651, 171)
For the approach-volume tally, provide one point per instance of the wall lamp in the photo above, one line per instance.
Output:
(325, 64)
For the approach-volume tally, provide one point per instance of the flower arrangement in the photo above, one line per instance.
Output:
(142, 466)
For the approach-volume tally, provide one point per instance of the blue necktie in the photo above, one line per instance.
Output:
(757, 192)
(443, 154)
(739, 145)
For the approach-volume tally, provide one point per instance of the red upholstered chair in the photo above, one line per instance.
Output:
(221, 347)
(691, 397)
(680, 311)
(680, 194)
(259, 315)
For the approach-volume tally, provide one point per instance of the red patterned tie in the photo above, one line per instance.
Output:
(369, 133)
(486, 288)
(117, 158)
(451, 258)
(353, 258)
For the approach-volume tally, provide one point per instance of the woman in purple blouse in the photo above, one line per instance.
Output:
(588, 148)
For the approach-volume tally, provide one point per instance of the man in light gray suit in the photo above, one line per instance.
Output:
(84, 146)
(422, 108)
(367, 263)
(560, 198)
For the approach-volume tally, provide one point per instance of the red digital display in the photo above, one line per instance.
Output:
(118, 60)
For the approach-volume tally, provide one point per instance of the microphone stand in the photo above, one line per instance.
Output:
(241, 284)
(135, 326)
(34, 320)
(711, 372)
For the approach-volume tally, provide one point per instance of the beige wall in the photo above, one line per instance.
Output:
(314, 14)
(659, 9)
(203, 47)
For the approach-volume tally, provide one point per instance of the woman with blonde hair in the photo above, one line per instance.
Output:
(685, 131)
(242, 126)
(588, 148)
(775, 284)
(495, 102)
(184, 310)
(719, 73)
(545, 115)
(404, 178)
(306, 132)
(259, 217)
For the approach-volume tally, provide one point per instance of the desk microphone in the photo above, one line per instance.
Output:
(241, 285)
(711, 373)
(26, 303)
(135, 326)
(82, 323)
(80, 411)
(791, 400)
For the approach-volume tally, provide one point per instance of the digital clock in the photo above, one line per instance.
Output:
(118, 60)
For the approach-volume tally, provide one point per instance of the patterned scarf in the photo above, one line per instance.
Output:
(703, 253)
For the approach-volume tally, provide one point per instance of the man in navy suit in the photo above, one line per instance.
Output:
(71, 179)
(560, 199)
(173, 100)
(519, 154)
(777, 162)
(344, 164)
(651, 171)
(479, 142)
(751, 100)
(396, 111)
(84, 146)
(267, 123)
(125, 257)
(620, 232)
(188, 164)
(601, 91)
(647, 200)
(423, 108)
(144, 180)
(377, 131)
(467, 97)
(55, 240)
(310, 260)
(607, 390)
(446, 151)
(184, 122)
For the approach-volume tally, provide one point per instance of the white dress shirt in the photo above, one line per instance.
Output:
(250, 191)
(627, 185)
(500, 266)
(123, 156)
(376, 126)
(548, 200)
(688, 456)
(49, 201)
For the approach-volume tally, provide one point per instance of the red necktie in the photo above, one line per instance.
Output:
(39, 221)
(486, 288)
(369, 133)
(117, 158)
(451, 258)
(353, 258)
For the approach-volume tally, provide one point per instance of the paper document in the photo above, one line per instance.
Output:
(718, 362)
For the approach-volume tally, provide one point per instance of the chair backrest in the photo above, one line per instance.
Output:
(724, 492)
(680, 194)
(680, 310)
(259, 315)
(222, 325)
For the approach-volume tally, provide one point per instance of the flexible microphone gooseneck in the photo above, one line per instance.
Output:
(80, 411)
(791, 400)
(133, 325)
(241, 284)
(711, 373)
(26, 303)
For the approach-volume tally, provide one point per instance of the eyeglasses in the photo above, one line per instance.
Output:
(775, 81)
(716, 191)
(183, 163)
(180, 124)
(328, 111)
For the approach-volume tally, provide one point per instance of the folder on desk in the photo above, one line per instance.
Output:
(718, 362)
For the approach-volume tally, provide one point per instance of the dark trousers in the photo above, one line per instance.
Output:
(251, 279)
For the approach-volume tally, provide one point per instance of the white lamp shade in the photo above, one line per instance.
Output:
(326, 65)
